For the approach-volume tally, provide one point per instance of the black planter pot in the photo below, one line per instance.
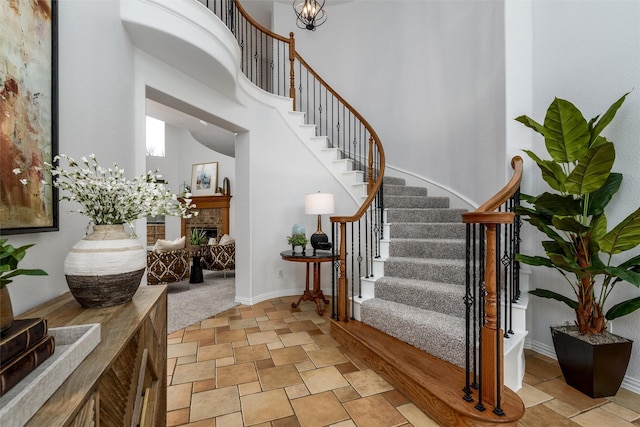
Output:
(596, 370)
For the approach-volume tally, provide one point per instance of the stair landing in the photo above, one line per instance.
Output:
(432, 384)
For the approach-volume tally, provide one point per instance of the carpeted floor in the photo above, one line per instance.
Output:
(189, 303)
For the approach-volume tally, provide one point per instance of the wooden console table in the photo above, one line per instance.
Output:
(123, 381)
(316, 293)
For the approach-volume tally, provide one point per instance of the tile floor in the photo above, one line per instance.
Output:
(269, 365)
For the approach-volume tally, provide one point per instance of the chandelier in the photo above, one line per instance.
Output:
(309, 14)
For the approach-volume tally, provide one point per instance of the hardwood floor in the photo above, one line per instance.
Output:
(269, 365)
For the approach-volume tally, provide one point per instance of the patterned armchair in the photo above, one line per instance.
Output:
(220, 256)
(167, 267)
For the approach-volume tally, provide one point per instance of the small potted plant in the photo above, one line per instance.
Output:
(9, 259)
(580, 243)
(198, 237)
(297, 240)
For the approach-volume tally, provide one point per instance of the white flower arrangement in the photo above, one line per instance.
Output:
(107, 197)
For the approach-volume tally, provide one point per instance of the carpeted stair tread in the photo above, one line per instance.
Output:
(393, 180)
(428, 248)
(431, 269)
(436, 333)
(424, 215)
(444, 230)
(433, 296)
(415, 202)
(404, 190)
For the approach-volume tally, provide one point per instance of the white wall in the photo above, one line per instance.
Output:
(182, 151)
(589, 53)
(95, 116)
(427, 75)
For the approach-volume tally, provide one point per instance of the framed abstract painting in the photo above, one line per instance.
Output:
(28, 115)
(204, 179)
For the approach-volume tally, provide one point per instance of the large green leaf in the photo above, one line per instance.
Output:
(553, 247)
(552, 173)
(558, 205)
(624, 274)
(631, 262)
(606, 118)
(569, 224)
(624, 236)
(543, 293)
(592, 170)
(535, 260)
(623, 308)
(598, 231)
(600, 198)
(530, 123)
(566, 132)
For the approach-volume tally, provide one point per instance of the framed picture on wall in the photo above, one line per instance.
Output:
(204, 179)
(29, 116)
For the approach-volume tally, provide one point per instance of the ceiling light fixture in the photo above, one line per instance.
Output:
(310, 14)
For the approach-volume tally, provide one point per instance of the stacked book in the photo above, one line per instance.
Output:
(23, 347)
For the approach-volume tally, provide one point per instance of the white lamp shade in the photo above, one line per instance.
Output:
(318, 204)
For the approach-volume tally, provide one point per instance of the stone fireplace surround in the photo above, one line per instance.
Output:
(213, 214)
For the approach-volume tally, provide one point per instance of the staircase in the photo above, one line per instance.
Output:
(420, 298)
(416, 295)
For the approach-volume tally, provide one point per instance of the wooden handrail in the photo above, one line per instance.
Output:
(504, 194)
(255, 23)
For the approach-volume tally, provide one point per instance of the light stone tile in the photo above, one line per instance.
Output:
(225, 361)
(326, 357)
(296, 338)
(238, 344)
(216, 322)
(287, 355)
(186, 359)
(295, 391)
(416, 417)
(235, 374)
(249, 388)
(531, 396)
(628, 399)
(310, 347)
(265, 406)
(216, 351)
(194, 372)
(171, 341)
(213, 403)
(230, 420)
(323, 379)
(178, 396)
(185, 349)
(621, 411)
(319, 410)
(271, 325)
(242, 324)
(367, 382)
(600, 418)
(263, 337)
(347, 423)
(279, 377)
(561, 408)
(305, 366)
(374, 411)
(275, 345)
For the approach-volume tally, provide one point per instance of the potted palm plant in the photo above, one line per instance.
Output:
(9, 259)
(581, 245)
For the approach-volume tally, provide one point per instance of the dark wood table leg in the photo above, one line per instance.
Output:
(306, 296)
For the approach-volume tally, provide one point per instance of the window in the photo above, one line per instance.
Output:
(155, 137)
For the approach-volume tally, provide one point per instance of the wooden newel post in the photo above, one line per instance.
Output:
(492, 342)
(343, 282)
(292, 72)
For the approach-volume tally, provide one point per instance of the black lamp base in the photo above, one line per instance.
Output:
(317, 239)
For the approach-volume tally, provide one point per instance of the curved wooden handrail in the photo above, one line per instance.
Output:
(255, 23)
(373, 188)
(500, 197)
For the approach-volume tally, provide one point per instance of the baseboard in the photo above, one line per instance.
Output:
(276, 294)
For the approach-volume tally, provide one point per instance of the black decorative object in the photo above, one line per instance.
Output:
(596, 370)
(309, 13)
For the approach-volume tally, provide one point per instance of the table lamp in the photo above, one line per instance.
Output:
(318, 204)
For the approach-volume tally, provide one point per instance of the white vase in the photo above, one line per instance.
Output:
(105, 268)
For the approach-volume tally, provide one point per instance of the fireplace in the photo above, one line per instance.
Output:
(213, 216)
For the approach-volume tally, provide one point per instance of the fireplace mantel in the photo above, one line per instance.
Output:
(204, 203)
